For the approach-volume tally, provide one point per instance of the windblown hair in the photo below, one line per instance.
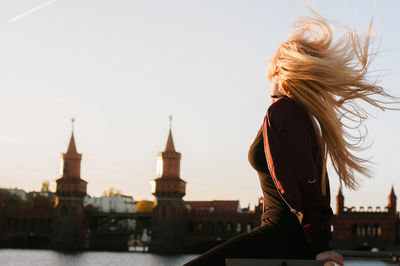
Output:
(327, 78)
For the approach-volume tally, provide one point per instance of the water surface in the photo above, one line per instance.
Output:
(23, 257)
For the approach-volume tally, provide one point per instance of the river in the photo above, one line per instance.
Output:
(23, 257)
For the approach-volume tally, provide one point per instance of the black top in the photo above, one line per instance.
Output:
(293, 155)
(274, 207)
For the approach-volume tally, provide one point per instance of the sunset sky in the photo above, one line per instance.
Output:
(122, 67)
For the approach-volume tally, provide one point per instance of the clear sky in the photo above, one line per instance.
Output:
(122, 67)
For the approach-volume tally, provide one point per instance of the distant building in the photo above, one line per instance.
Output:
(367, 227)
(118, 203)
(15, 191)
(28, 195)
(47, 194)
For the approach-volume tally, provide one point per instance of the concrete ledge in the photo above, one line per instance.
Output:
(264, 262)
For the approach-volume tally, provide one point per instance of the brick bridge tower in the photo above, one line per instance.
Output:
(169, 189)
(339, 202)
(69, 219)
(392, 202)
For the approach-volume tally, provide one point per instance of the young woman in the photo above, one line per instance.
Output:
(314, 85)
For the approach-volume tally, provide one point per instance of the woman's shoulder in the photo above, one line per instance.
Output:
(286, 109)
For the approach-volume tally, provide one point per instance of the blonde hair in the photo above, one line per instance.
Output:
(327, 78)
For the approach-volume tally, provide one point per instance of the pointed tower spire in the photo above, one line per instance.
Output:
(392, 192)
(168, 161)
(72, 146)
(170, 142)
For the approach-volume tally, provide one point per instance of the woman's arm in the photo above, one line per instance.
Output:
(291, 150)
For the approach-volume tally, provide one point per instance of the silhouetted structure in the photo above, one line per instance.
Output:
(169, 189)
(34, 222)
(25, 228)
(366, 228)
(181, 226)
(69, 217)
(175, 225)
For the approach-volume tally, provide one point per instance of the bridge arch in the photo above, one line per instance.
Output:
(200, 226)
(355, 231)
(42, 226)
(238, 227)
(17, 225)
(190, 227)
(249, 227)
(25, 228)
(210, 227)
(32, 225)
(220, 228)
(229, 228)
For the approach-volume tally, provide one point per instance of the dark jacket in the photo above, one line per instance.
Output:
(294, 160)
